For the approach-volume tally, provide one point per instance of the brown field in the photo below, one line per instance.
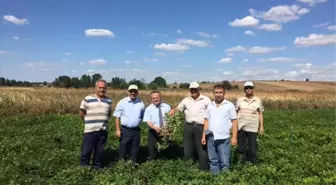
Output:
(275, 95)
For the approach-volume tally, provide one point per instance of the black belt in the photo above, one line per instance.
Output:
(129, 127)
(193, 123)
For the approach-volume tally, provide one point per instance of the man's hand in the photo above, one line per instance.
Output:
(172, 112)
(233, 141)
(261, 130)
(118, 133)
(203, 140)
(157, 129)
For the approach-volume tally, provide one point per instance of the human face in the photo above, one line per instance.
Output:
(101, 89)
(133, 93)
(249, 90)
(156, 98)
(219, 95)
(194, 92)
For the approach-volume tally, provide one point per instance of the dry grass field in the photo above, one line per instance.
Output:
(275, 95)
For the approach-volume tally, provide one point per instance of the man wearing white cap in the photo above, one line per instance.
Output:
(250, 120)
(194, 107)
(129, 113)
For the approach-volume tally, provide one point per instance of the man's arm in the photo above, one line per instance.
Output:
(179, 107)
(261, 122)
(205, 128)
(117, 114)
(233, 116)
(82, 109)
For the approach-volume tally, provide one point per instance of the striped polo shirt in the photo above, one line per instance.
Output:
(248, 113)
(97, 113)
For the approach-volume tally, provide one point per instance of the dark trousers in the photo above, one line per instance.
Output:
(192, 136)
(93, 142)
(153, 137)
(129, 143)
(247, 146)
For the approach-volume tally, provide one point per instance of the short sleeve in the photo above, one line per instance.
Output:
(118, 110)
(181, 106)
(83, 105)
(142, 113)
(261, 106)
(233, 112)
(168, 107)
(147, 115)
(207, 113)
(238, 104)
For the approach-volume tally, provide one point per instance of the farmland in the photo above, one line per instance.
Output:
(41, 135)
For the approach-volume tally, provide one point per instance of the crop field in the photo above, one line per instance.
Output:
(41, 136)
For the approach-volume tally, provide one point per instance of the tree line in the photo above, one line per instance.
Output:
(86, 81)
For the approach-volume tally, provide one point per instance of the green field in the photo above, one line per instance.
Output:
(298, 148)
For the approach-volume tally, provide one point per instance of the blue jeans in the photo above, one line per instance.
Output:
(218, 153)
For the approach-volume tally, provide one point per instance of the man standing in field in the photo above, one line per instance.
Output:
(129, 113)
(194, 107)
(155, 118)
(220, 118)
(250, 120)
(95, 110)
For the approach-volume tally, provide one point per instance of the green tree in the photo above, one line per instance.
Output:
(138, 83)
(85, 81)
(95, 77)
(75, 82)
(184, 86)
(161, 82)
(227, 85)
(117, 82)
(153, 86)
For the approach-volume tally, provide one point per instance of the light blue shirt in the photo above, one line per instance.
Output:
(220, 118)
(130, 112)
(152, 113)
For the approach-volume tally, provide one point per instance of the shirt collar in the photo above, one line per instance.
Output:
(223, 102)
(135, 101)
(253, 98)
(201, 97)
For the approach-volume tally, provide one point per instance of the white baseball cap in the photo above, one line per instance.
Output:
(193, 85)
(248, 84)
(135, 87)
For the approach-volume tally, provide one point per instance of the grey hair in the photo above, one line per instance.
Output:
(100, 80)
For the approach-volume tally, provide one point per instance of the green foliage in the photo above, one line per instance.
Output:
(161, 82)
(227, 85)
(298, 147)
(118, 83)
(139, 83)
(184, 86)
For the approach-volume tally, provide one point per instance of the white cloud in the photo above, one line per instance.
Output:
(16, 38)
(245, 60)
(291, 74)
(2, 52)
(227, 73)
(82, 63)
(249, 32)
(190, 42)
(235, 49)
(15, 20)
(160, 54)
(332, 28)
(68, 54)
(171, 47)
(179, 31)
(280, 59)
(42, 66)
(203, 34)
(99, 33)
(263, 50)
(128, 62)
(247, 21)
(225, 60)
(186, 66)
(325, 73)
(305, 66)
(312, 2)
(321, 25)
(271, 27)
(155, 34)
(260, 72)
(97, 61)
(281, 13)
(230, 54)
(315, 40)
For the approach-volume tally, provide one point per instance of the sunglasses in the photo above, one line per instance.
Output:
(132, 91)
(248, 87)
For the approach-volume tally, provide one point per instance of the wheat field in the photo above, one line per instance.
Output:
(15, 100)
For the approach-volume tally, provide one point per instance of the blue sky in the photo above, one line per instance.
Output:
(179, 40)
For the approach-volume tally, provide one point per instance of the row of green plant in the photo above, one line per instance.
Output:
(298, 147)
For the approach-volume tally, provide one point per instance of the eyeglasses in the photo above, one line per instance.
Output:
(248, 87)
(133, 91)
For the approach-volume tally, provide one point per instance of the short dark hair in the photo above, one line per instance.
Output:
(219, 86)
(155, 91)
